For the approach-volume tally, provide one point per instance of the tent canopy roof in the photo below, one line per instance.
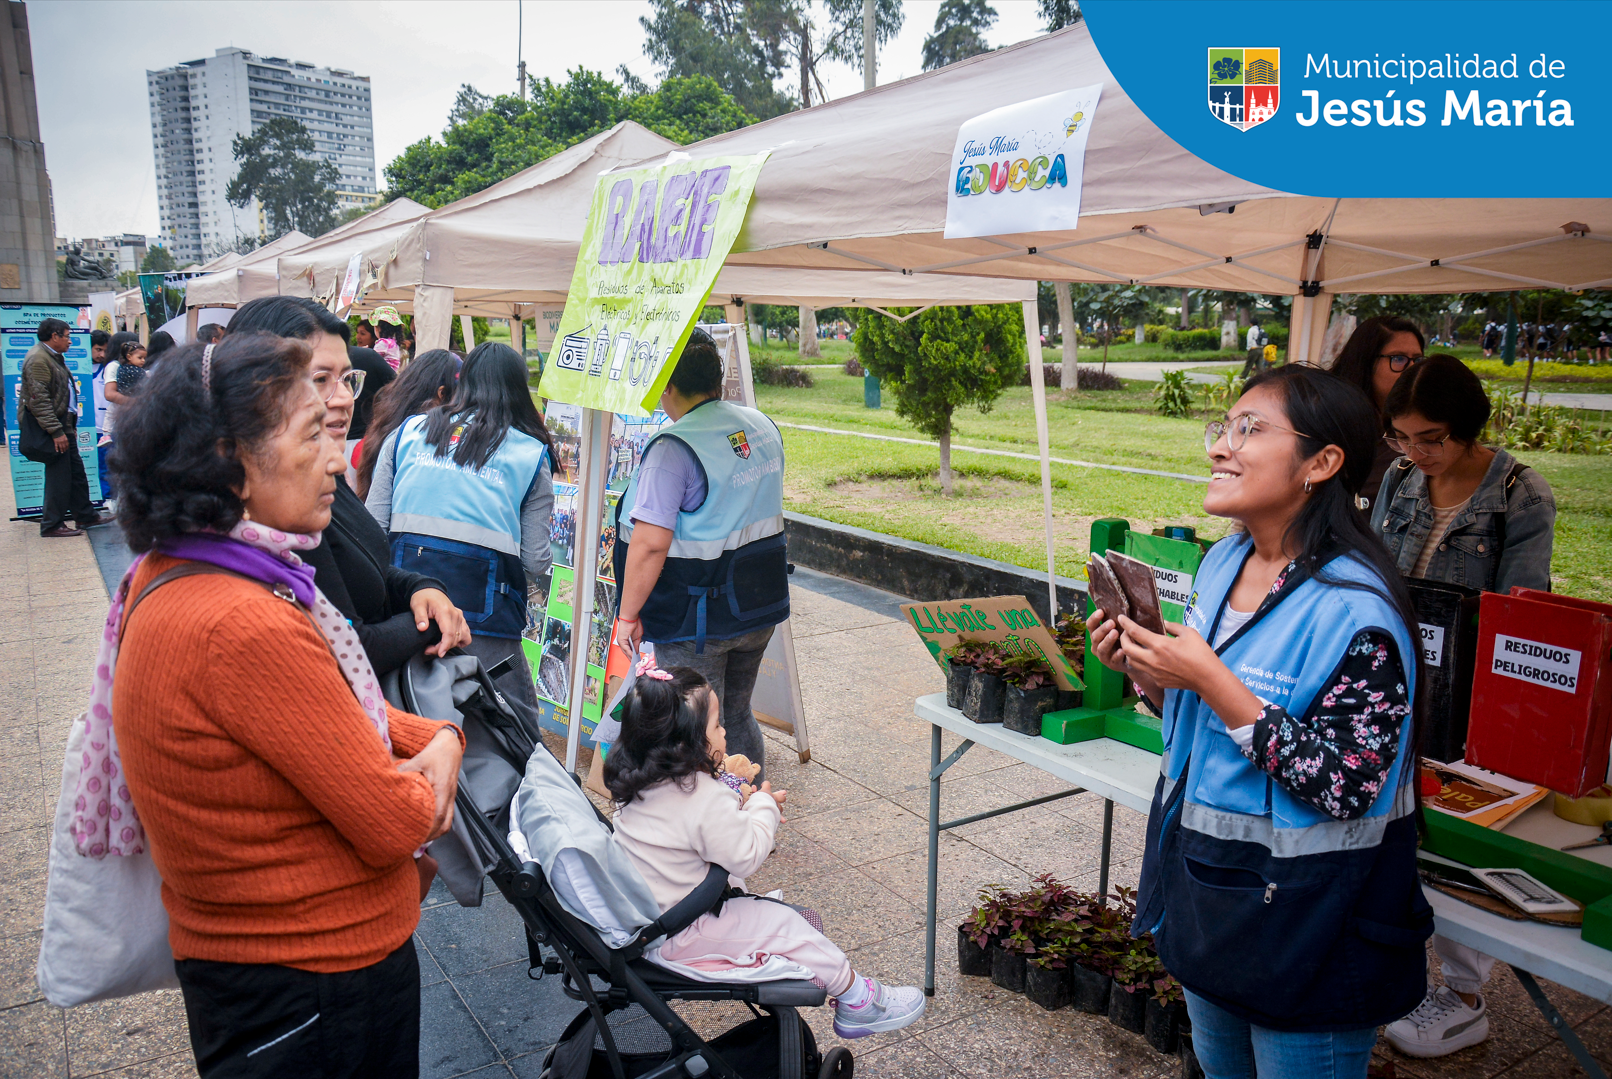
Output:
(1148, 207)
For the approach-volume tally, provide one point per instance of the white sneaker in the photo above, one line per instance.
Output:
(1441, 1024)
(890, 1008)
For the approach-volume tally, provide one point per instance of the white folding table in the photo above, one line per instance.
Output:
(1127, 775)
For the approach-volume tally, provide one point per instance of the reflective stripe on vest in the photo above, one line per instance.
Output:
(742, 455)
(433, 496)
(1287, 657)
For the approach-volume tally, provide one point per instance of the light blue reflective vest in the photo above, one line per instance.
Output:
(463, 525)
(726, 572)
(1286, 658)
(1271, 908)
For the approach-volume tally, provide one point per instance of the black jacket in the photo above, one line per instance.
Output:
(353, 568)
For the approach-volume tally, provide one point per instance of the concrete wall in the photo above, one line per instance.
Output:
(27, 233)
(919, 571)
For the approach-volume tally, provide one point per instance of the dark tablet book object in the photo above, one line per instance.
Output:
(1106, 592)
(1136, 578)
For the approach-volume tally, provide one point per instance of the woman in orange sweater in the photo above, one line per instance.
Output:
(280, 797)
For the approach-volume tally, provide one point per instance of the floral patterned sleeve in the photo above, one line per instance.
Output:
(1337, 757)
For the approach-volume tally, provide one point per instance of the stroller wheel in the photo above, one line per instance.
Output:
(837, 1064)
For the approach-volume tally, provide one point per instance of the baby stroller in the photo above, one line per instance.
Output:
(586, 920)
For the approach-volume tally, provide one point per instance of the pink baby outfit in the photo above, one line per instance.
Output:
(674, 835)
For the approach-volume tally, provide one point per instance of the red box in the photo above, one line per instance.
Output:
(1542, 691)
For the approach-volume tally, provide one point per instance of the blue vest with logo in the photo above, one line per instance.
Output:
(463, 525)
(726, 573)
(1271, 908)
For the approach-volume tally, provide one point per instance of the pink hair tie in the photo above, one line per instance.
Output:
(647, 669)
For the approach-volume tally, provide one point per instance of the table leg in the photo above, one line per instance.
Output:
(934, 859)
(1108, 843)
(1563, 1031)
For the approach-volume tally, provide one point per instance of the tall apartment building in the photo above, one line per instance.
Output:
(197, 109)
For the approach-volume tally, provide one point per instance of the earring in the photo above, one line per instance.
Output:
(246, 514)
(1306, 485)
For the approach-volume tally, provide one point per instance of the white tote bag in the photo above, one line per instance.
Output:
(106, 932)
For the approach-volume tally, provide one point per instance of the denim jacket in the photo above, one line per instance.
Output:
(1471, 552)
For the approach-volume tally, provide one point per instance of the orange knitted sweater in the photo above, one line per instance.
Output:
(282, 828)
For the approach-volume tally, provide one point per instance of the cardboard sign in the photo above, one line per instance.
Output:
(1006, 620)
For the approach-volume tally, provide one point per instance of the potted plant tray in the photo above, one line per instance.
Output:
(1127, 1008)
(1163, 1023)
(1089, 989)
(1047, 986)
(1008, 968)
(971, 958)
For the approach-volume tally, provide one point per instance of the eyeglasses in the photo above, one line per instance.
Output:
(1398, 361)
(1425, 449)
(325, 383)
(1237, 429)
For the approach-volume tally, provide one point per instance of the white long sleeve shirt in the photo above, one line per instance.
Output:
(674, 836)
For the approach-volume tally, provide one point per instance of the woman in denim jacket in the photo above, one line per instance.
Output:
(1455, 511)
(1498, 516)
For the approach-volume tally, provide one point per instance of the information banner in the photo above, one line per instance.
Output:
(19, 333)
(655, 239)
(164, 295)
(1019, 168)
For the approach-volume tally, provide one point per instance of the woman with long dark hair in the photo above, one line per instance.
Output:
(1279, 879)
(421, 386)
(396, 613)
(466, 492)
(1376, 354)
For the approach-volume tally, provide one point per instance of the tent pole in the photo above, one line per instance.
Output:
(585, 558)
(468, 330)
(1038, 391)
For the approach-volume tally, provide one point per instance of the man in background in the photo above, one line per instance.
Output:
(50, 392)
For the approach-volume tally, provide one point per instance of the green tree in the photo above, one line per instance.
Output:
(1058, 14)
(158, 260)
(942, 359)
(1113, 307)
(277, 167)
(499, 136)
(726, 40)
(959, 32)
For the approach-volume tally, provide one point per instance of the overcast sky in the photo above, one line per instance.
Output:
(91, 56)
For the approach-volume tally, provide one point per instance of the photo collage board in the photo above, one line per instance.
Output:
(551, 614)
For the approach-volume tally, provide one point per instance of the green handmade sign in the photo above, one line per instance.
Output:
(655, 239)
(1005, 620)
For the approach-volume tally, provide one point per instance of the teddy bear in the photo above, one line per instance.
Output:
(739, 772)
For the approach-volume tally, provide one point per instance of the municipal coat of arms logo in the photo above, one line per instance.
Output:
(740, 444)
(1244, 85)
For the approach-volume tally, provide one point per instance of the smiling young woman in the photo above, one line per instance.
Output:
(1283, 814)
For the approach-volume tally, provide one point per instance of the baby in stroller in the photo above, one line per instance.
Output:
(675, 819)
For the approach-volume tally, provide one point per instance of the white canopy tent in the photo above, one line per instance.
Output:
(512, 247)
(233, 283)
(1151, 213)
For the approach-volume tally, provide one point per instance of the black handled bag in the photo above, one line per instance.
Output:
(32, 440)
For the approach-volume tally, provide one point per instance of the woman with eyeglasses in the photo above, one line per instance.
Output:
(397, 614)
(1376, 354)
(1451, 509)
(1279, 877)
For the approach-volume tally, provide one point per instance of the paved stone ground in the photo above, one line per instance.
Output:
(853, 848)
